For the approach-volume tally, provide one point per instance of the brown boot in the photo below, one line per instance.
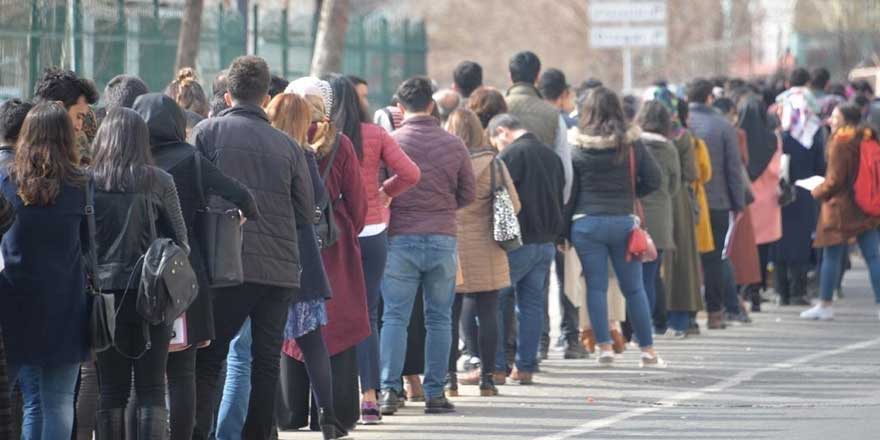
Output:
(588, 339)
(716, 321)
(522, 377)
(618, 342)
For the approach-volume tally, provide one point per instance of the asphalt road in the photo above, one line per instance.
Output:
(778, 378)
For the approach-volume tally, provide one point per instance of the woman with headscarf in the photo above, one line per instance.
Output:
(347, 319)
(764, 156)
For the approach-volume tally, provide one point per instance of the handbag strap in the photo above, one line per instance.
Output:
(637, 205)
(92, 263)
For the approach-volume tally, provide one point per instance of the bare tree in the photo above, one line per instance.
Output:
(190, 27)
(330, 40)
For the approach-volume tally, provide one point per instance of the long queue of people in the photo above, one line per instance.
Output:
(351, 265)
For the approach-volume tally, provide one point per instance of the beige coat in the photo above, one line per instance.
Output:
(484, 264)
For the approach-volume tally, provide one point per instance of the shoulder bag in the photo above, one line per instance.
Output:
(505, 226)
(326, 229)
(168, 283)
(640, 246)
(102, 317)
(219, 235)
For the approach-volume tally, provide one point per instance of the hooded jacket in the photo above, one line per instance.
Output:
(167, 124)
(603, 184)
(244, 146)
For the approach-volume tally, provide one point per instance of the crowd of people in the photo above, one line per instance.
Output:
(380, 260)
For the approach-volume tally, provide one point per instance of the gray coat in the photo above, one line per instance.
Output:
(658, 204)
(726, 191)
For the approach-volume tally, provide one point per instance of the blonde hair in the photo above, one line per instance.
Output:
(291, 114)
(466, 125)
(186, 91)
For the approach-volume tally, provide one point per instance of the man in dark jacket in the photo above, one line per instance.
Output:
(12, 114)
(539, 179)
(725, 192)
(422, 247)
(244, 146)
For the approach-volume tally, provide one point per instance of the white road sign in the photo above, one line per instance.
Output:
(627, 11)
(607, 37)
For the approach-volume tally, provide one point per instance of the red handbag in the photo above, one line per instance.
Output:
(640, 245)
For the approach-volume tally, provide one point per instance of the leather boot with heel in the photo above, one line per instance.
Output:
(487, 385)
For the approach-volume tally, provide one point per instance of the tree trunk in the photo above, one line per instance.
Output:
(190, 28)
(330, 40)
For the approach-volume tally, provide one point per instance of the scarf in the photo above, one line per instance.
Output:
(798, 114)
(319, 95)
(760, 139)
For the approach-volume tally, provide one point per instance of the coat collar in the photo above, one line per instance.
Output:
(701, 108)
(246, 110)
(524, 89)
(590, 142)
(420, 120)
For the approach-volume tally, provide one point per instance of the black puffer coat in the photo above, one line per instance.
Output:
(244, 146)
(167, 124)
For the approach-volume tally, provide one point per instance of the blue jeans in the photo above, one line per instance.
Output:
(678, 320)
(428, 261)
(374, 252)
(529, 269)
(48, 394)
(869, 242)
(650, 272)
(596, 238)
(237, 390)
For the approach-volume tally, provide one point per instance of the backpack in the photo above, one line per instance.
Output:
(867, 183)
(326, 229)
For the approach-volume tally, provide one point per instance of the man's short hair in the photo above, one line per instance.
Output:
(552, 84)
(122, 90)
(415, 94)
(277, 85)
(63, 85)
(504, 120)
(799, 77)
(220, 85)
(821, 76)
(12, 114)
(248, 79)
(699, 90)
(467, 76)
(447, 100)
(524, 67)
(356, 80)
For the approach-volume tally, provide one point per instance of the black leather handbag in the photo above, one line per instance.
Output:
(168, 284)
(219, 234)
(102, 317)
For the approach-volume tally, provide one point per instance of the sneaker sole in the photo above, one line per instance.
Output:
(438, 411)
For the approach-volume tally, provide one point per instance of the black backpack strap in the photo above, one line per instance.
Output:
(92, 261)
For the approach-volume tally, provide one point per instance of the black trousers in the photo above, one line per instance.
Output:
(182, 392)
(296, 389)
(5, 393)
(570, 326)
(115, 365)
(713, 274)
(267, 307)
(414, 363)
(483, 305)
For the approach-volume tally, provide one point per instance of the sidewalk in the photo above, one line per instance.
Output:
(778, 378)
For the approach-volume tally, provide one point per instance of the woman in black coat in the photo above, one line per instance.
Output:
(167, 124)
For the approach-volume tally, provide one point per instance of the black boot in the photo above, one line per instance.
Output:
(330, 426)
(451, 384)
(109, 424)
(487, 385)
(152, 423)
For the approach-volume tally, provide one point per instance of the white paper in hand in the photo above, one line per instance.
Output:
(810, 183)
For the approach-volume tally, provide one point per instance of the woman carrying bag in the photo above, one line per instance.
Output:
(43, 304)
(613, 170)
(195, 178)
(131, 194)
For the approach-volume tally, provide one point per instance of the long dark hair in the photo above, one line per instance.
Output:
(46, 155)
(602, 116)
(122, 152)
(346, 112)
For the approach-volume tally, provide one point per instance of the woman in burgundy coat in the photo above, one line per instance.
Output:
(348, 323)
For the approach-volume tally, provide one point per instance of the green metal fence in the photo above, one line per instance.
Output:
(102, 38)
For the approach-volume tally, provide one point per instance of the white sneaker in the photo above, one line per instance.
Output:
(818, 313)
(606, 358)
(648, 361)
